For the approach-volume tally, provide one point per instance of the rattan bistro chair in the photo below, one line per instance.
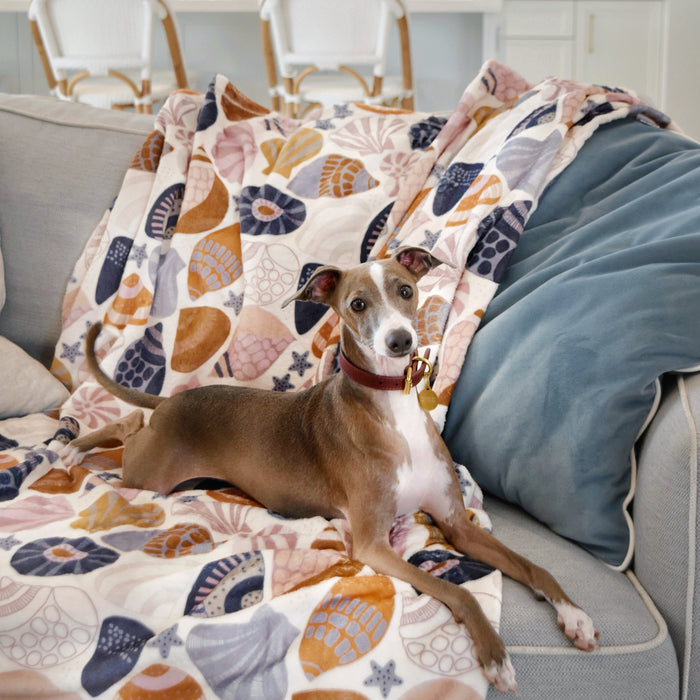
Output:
(100, 51)
(334, 51)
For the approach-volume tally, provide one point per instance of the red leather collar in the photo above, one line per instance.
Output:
(382, 381)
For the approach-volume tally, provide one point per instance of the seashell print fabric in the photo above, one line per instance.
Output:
(226, 209)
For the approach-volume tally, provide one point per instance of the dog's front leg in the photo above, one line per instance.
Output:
(371, 546)
(475, 542)
(115, 432)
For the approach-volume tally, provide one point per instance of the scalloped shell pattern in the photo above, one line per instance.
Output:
(283, 157)
(432, 639)
(431, 319)
(216, 262)
(259, 340)
(43, 626)
(347, 624)
(333, 176)
(112, 510)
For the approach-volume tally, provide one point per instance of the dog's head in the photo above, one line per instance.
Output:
(377, 300)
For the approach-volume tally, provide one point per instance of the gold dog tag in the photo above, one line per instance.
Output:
(427, 398)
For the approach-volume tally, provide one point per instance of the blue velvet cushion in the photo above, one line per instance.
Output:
(601, 297)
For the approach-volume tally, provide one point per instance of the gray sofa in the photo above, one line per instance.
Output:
(60, 167)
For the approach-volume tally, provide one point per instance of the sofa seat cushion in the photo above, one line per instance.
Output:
(636, 658)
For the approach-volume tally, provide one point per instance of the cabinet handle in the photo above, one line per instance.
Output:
(591, 33)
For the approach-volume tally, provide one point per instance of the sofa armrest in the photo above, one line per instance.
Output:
(666, 519)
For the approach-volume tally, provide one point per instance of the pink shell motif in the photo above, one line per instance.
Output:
(259, 340)
(433, 640)
(35, 620)
(34, 512)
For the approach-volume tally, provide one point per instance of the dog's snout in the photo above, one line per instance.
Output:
(399, 342)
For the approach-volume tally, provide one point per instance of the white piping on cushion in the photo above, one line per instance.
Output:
(633, 480)
(658, 639)
(692, 524)
(633, 469)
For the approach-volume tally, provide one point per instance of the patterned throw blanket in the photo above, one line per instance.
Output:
(225, 211)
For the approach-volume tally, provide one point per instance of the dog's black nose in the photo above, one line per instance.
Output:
(399, 342)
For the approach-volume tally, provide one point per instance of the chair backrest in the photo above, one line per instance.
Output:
(81, 38)
(301, 36)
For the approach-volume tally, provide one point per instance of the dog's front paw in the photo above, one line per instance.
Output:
(502, 676)
(577, 626)
(70, 454)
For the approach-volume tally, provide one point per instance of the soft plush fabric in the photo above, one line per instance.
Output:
(27, 386)
(600, 299)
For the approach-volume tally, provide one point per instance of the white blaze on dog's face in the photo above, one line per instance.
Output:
(392, 309)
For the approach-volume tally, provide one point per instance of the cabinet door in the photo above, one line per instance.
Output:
(619, 43)
(541, 58)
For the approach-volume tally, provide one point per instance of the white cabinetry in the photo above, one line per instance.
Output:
(615, 42)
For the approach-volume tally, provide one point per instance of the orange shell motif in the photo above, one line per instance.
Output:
(132, 304)
(347, 624)
(216, 261)
(112, 510)
(201, 331)
(431, 319)
(179, 541)
(161, 682)
(148, 156)
(484, 190)
(284, 156)
(206, 198)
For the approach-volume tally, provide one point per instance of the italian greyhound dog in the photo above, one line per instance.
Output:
(357, 445)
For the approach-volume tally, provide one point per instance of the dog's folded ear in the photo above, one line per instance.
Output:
(418, 260)
(319, 287)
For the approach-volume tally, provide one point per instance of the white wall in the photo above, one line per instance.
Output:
(682, 98)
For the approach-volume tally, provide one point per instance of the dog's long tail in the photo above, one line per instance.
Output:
(133, 396)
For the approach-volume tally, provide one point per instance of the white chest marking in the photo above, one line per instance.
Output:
(423, 479)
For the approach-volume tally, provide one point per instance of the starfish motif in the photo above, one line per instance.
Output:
(341, 111)
(138, 253)
(430, 239)
(324, 124)
(71, 352)
(235, 302)
(300, 364)
(7, 543)
(165, 641)
(383, 677)
(282, 384)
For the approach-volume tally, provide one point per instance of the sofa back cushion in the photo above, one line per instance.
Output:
(62, 165)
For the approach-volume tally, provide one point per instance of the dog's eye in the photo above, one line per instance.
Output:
(406, 292)
(358, 305)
